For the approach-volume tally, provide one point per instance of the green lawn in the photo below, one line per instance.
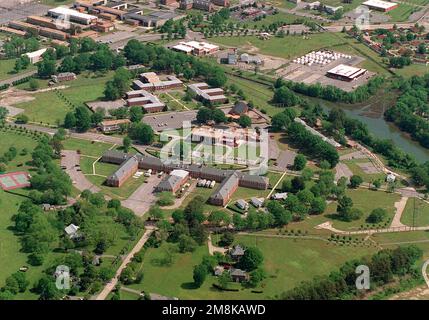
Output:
(412, 70)
(421, 216)
(6, 69)
(51, 107)
(86, 147)
(365, 200)
(20, 142)
(357, 170)
(402, 12)
(286, 261)
(287, 47)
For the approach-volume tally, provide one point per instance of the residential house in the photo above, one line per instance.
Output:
(242, 204)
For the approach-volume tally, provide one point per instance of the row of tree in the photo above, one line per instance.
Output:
(384, 266)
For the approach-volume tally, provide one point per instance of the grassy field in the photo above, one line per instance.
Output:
(357, 170)
(422, 213)
(287, 47)
(286, 261)
(412, 70)
(6, 69)
(365, 200)
(86, 147)
(51, 107)
(402, 12)
(20, 142)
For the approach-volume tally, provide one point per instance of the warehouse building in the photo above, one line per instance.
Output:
(229, 180)
(196, 48)
(380, 5)
(72, 15)
(151, 82)
(35, 56)
(125, 171)
(201, 91)
(148, 101)
(108, 126)
(346, 73)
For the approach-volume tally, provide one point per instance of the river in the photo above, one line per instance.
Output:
(371, 113)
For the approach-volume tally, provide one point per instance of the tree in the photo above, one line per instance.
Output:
(376, 184)
(355, 181)
(245, 121)
(46, 68)
(136, 114)
(224, 279)
(199, 275)
(47, 289)
(70, 120)
(142, 132)
(218, 116)
(299, 162)
(83, 119)
(226, 239)
(377, 215)
(126, 144)
(3, 114)
(187, 244)
(318, 205)
(155, 212)
(256, 277)
(251, 259)
(120, 83)
(204, 114)
(33, 84)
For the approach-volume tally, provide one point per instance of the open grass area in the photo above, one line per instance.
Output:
(402, 12)
(246, 151)
(412, 70)
(287, 47)
(357, 170)
(7, 66)
(421, 217)
(51, 107)
(86, 147)
(258, 93)
(287, 262)
(123, 192)
(20, 142)
(365, 200)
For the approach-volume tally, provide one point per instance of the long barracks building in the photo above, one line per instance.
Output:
(229, 180)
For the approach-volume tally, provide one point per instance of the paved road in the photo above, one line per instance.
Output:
(17, 77)
(71, 159)
(112, 283)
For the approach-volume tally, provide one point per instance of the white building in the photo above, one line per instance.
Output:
(380, 5)
(35, 56)
(72, 231)
(257, 202)
(196, 48)
(279, 196)
(243, 205)
(67, 14)
(390, 177)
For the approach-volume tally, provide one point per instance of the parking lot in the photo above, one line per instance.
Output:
(13, 10)
(173, 120)
(316, 73)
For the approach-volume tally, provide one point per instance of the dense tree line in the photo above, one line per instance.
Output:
(332, 93)
(411, 111)
(162, 59)
(384, 266)
(17, 46)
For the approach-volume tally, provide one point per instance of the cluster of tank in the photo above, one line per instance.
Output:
(320, 57)
(206, 183)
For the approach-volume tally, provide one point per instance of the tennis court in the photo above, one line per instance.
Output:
(14, 180)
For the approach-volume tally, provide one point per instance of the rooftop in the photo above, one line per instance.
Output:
(379, 4)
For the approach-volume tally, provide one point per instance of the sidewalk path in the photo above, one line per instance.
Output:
(112, 283)
(400, 206)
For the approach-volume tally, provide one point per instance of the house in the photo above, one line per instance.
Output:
(148, 101)
(257, 202)
(238, 275)
(196, 48)
(279, 196)
(231, 58)
(72, 231)
(390, 177)
(242, 204)
(150, 81)
(64, 76)
(113, 125)
(332, 10)
(247, 58)
(237, 252)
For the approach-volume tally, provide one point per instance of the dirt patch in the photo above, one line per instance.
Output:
(368, 168)
(14, 96)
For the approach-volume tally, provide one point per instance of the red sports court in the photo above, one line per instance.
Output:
(14, 180)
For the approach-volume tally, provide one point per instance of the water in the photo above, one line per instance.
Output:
(371, 113)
